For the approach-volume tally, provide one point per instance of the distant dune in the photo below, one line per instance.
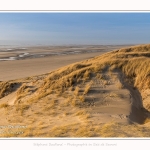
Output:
(105, 96)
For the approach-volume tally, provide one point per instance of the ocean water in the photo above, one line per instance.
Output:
(9, 48)
(24, 52)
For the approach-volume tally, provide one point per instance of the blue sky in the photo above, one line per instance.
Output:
(74, 28)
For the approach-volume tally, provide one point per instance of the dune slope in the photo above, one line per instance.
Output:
(105, 96)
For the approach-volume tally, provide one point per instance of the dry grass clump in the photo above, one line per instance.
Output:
(22, 88)
(6, 88)
(105, 82)
(147, 106)
(76, 91)
(72, 88)
(84, 131)
(87, 89)
(21, 108)
(52, 104)
(100, 76)
(87, 75)
(139, 48)
(66, 76)
(23, 91)
(147, 120)
(81, 113)
(82, 98)
(138, 70)
(112, 67)
(67, 101)
(99, 67)
(4, 105)
(76, 102)
(79, 80)
(62, 130)
(28, 132)
(113, 95)
(119, 85)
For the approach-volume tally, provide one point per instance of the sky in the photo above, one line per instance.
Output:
(65, 28)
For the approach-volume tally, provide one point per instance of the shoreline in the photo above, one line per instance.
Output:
(16, 69)
(31, 61)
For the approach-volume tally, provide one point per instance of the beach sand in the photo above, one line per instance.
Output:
(41, 60)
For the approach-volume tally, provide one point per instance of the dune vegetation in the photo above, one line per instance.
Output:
(105, 96)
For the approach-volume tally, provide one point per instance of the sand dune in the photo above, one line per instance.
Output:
(104, 96)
